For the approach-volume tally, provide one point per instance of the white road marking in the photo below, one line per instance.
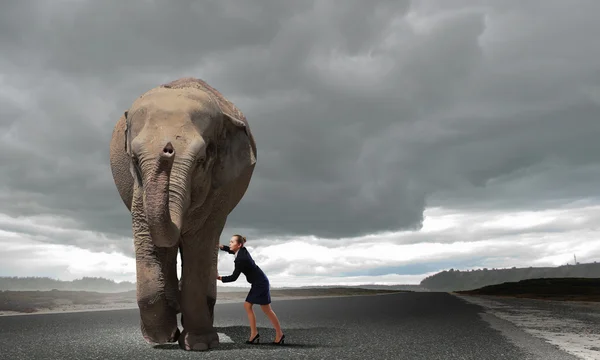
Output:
(224, 338)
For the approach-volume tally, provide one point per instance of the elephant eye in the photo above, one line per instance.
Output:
(210, 150)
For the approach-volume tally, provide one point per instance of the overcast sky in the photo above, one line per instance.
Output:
(395, 138)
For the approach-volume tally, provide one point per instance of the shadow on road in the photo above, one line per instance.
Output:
(310, 338)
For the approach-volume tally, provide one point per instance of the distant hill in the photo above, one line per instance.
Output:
(449, 280)
(96, 284)
(456, 280)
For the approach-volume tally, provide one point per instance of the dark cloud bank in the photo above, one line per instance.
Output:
(364, 112)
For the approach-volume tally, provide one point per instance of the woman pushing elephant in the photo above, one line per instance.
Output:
(259, 291)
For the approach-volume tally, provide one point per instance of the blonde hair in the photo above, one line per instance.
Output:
(240, 239)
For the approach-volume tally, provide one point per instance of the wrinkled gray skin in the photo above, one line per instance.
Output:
(181, 157)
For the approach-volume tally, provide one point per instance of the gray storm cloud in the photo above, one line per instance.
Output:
(364, 113)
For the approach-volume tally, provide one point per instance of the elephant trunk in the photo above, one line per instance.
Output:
(164, 228)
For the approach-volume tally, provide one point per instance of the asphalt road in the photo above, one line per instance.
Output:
(396, 326)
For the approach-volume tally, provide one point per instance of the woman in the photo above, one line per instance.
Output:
(259, 291)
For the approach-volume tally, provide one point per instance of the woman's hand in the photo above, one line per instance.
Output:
(219, 278)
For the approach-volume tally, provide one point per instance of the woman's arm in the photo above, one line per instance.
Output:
(226, 249)
(233, 277)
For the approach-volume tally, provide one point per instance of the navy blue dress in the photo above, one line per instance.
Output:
(244, 264)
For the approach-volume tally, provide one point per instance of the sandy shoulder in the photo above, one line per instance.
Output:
(574, 327)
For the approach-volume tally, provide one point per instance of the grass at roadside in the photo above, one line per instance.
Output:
(36, 301)
(562, 289)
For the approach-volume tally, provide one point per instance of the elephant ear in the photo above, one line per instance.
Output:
(134, 169)
(235, 153)
(127, 132)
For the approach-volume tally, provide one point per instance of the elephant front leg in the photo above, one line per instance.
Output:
(157, 292)
(198, 290)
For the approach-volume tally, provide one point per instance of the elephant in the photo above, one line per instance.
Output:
(182, 157)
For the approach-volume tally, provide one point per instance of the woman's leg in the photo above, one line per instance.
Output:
(251, 319)
(271, 315)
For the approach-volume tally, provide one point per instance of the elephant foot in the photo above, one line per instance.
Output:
(158, 340)
(198, 342)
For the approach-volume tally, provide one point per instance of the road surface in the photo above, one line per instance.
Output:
(394, 326)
